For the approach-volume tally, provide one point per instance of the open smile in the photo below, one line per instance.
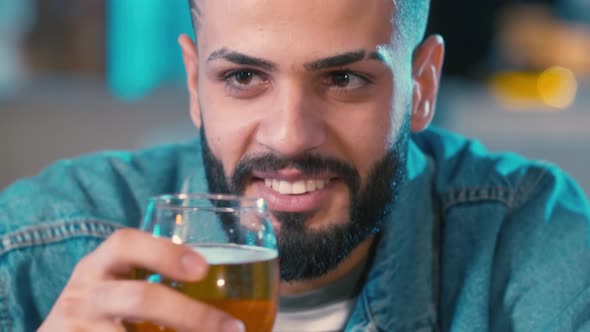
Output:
(293, 191)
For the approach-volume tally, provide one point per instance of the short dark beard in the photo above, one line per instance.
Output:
(306, 254)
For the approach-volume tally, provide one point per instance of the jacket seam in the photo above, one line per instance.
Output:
(56, 232)
(458, 196)
(6, 320)
(372, 321)
(526, 187)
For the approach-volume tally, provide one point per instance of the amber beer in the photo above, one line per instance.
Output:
(242, 281)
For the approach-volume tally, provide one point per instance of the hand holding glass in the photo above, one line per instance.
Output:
(235, 236)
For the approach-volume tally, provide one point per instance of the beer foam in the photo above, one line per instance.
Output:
(216, 254)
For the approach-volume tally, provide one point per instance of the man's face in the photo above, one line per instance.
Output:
(305, 103)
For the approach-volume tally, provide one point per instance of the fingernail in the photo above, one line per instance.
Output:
(192, 265)
(232, 325)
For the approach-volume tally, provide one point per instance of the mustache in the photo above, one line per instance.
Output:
(310, 164)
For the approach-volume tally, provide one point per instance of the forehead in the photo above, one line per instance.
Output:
(294, 28)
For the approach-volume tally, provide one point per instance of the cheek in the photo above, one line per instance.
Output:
(231, 124)
(364, 136)
(228, 133)
(228, 141)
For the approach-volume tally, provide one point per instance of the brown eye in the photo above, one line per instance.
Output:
(243, 77)
(347, 85)
(245, 83)
(345, 80)
(341, 79)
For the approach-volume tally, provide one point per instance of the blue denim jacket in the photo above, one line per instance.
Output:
(478, 241)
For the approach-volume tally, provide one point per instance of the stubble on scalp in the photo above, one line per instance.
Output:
(196, 14)
(410, 17)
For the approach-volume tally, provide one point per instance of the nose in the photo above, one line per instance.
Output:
(295, 124)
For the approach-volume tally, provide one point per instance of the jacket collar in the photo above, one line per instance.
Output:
(401, 289)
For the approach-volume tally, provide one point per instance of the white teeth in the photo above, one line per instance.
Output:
(310, 185)
(295, 188)
(285, 188)
(299, 187)
(275, 185)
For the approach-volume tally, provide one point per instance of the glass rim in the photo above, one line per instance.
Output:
(246, 203)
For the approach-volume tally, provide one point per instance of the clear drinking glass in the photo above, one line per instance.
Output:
(235, 236)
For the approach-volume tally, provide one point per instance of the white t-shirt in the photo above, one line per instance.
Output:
(327, 318)
(323, 310)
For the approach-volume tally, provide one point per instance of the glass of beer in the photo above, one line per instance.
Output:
(235, 236)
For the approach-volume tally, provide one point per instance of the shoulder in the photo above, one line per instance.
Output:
(514, 231)
(112, 185)
(535, 200)
(465, 171)
(541, 265)
(50, 221)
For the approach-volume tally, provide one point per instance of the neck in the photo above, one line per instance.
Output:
(356, 257)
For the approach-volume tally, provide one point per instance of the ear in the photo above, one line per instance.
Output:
(426, 71)
(189, 56)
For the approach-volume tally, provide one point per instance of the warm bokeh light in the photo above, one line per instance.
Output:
(553, 89)
(557, 87)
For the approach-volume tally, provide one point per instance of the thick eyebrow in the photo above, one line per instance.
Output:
(241, 59)
(342, 60)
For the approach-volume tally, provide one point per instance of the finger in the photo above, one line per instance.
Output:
(73, 324)
(158, 304)
(95, 326)
(130, 248)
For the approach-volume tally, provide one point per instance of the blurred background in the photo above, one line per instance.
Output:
(81, 76)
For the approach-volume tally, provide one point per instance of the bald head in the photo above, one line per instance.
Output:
(410, 19)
